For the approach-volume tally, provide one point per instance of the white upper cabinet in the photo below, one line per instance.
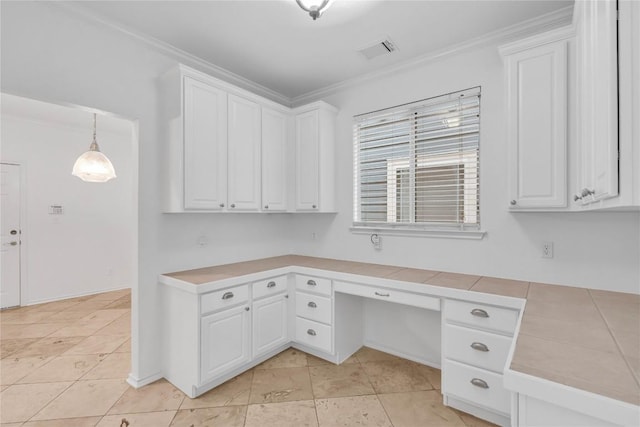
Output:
(597, 80)
(244, 136)
(274, 160)
(228, 150)
(537, 93)
(315, 157)
(204, 145)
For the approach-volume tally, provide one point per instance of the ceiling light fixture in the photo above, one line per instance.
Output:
(93, 166)
(315, 8)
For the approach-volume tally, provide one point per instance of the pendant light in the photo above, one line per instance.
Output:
(315, 8)
(93, 166)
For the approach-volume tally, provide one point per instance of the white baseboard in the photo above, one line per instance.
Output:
(84, 294)
(141, 382)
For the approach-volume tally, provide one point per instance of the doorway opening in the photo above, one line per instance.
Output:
(75, 238)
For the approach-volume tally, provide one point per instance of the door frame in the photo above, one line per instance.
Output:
(22, 226)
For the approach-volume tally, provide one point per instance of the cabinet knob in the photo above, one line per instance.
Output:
(266, 206)
(311, 282)
(227, 295)
(312, 304)
(13, 232)
(311, 332)
(314, 206)
(233, 205)
(479, 346)
(271, 284)
(478, 312)
(479, 383)
(246, 309)
(222, 205)
(512, 203)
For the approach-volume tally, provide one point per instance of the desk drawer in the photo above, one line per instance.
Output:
(477, 348)
(314, 334)
(384, 294)
(313, 307)
(214, 301)
(475, 385)
(267, 287)
(482, 316)
(313, 284)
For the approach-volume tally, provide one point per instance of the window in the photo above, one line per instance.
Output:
(416, 166)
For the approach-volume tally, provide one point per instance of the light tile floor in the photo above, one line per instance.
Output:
(65, 363)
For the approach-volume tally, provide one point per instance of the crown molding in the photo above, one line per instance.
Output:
(176, 53)
(505, 35)
(508, 34)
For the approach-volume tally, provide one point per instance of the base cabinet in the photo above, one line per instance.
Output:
(225, 341)
(534, 412)
(270, 329)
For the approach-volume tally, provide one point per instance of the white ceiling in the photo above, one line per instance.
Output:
(275, 44)
(72, 116)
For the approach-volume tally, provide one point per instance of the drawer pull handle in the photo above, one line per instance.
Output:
(479, 346)
(479, 383)
(381, 295)
(312, 304)
(311, 282)
(271, 284)
(311, 332)
(227, 295)
(478, 312)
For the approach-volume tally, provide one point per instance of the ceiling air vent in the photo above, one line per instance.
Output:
(381, 47)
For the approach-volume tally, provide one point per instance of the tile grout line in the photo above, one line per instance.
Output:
(618, 346)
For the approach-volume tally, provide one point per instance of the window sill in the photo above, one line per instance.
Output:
(418, 232)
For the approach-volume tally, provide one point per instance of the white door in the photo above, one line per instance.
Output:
(205, 146)
(225, 341)
(307, 161)
(269, 324)
(274, 161)
(244, 154)
(10, 218)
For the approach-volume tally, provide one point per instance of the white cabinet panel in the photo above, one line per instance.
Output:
(244, 158)
(476, 385)
(537, 125)
(205, 144)
(481, 316)
(225, 342)
(313, 284)
(597, 69)
(313, 307)
(269, 324)
(274, 160)
(226, 298)
(269, 287)
(477, 348)
(314, 334)
(307, 161)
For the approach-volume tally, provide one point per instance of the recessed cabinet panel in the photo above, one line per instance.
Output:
(307, 161)
(597, 101)
(269, 324)
(537, 126)
(225, 342)
(205, 142)
(274, 161)
(244, 154)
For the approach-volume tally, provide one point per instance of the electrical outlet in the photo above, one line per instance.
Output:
(314, 236)
(547, 249)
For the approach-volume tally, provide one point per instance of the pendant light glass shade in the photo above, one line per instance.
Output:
(93, 166)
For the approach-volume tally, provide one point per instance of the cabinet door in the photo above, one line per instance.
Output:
(597, 100)
(274, 160)
(269, 324)
(225, 342)
(537, 126)
(307, 161)
(205, 146)
(244, 154)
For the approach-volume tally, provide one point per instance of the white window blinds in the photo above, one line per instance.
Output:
(417, 165)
